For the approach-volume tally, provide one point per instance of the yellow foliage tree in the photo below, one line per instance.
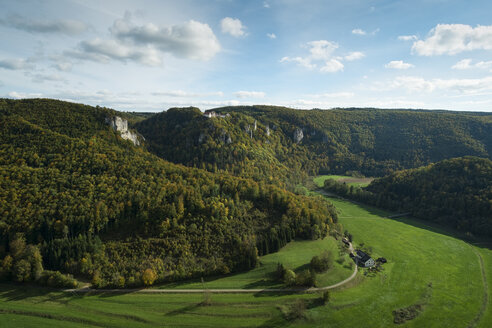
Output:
(148, 277)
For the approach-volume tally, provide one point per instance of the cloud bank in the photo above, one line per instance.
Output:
(451, 39)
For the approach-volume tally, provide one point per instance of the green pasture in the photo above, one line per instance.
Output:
(426, 267)
(22, 306)
(351, 181)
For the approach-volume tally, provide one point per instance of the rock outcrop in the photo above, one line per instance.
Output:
(225, 137)
(298, 135)
(201, 137)
(121, 125)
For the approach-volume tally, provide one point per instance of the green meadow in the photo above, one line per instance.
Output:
(427, 267)
(440, 273)
(351, 181)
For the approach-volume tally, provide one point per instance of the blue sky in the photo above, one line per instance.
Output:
(152, 55)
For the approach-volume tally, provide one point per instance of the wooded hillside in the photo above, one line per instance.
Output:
(95, 204)
(455, 192)
(373, 142)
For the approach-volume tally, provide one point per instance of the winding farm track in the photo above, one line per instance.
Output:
(485, 299)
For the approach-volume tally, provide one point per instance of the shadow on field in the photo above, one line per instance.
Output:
(18, 292)
(275, 322)
(267, 293)
(184, 309)
(104, 294)
(303, 267)
(176, 284)
(447, 231)
(262, 283)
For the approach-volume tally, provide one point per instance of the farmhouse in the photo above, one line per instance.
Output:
(363, 260)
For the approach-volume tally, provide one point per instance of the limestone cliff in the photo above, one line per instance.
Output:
(121, 125)
(298, 135)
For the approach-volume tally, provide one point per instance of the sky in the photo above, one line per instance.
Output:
(152, 55)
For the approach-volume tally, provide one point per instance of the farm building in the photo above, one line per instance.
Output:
(363, 260)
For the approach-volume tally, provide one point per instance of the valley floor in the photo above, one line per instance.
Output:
(427, 267)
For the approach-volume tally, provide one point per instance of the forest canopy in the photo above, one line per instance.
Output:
(283, 145)
(96, 205)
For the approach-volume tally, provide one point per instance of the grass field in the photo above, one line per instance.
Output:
(425, 266)
(295, 255)
(417, 257)
(351, 181)
(39, 307)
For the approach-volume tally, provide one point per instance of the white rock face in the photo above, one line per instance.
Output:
(298, 135)
(121, 125)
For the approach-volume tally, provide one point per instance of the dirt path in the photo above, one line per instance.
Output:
(485, 299)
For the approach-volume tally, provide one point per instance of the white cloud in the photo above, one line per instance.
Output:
(185, 94)
(412, 84)
(332, 66)
(266, 4)
(451, 39)
(407, 37)
(398, 64)
(69, 27)
(271, 35)
(467, 64)
(321, 49)
(334, 95)
(304, 62)
(462, 64)
(42, 77)
(63, 66)
(192, 39)
(22, 95)
(106, 50)
(359, 31)
(484, 65)
(249, 94)
(15, 64)
(460, 86)
(355, 55)
(147, 44)
(232, 26)
(321, 55)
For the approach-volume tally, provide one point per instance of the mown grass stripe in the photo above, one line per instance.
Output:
(53, 317)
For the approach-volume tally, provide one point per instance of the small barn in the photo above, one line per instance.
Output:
(363, 260)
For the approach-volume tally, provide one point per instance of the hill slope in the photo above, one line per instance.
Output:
(456, 192)
(97, 205)
(283, 144)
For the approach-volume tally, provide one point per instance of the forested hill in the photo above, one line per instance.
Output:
(96, 205)
(292, 143)
(455, 192)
